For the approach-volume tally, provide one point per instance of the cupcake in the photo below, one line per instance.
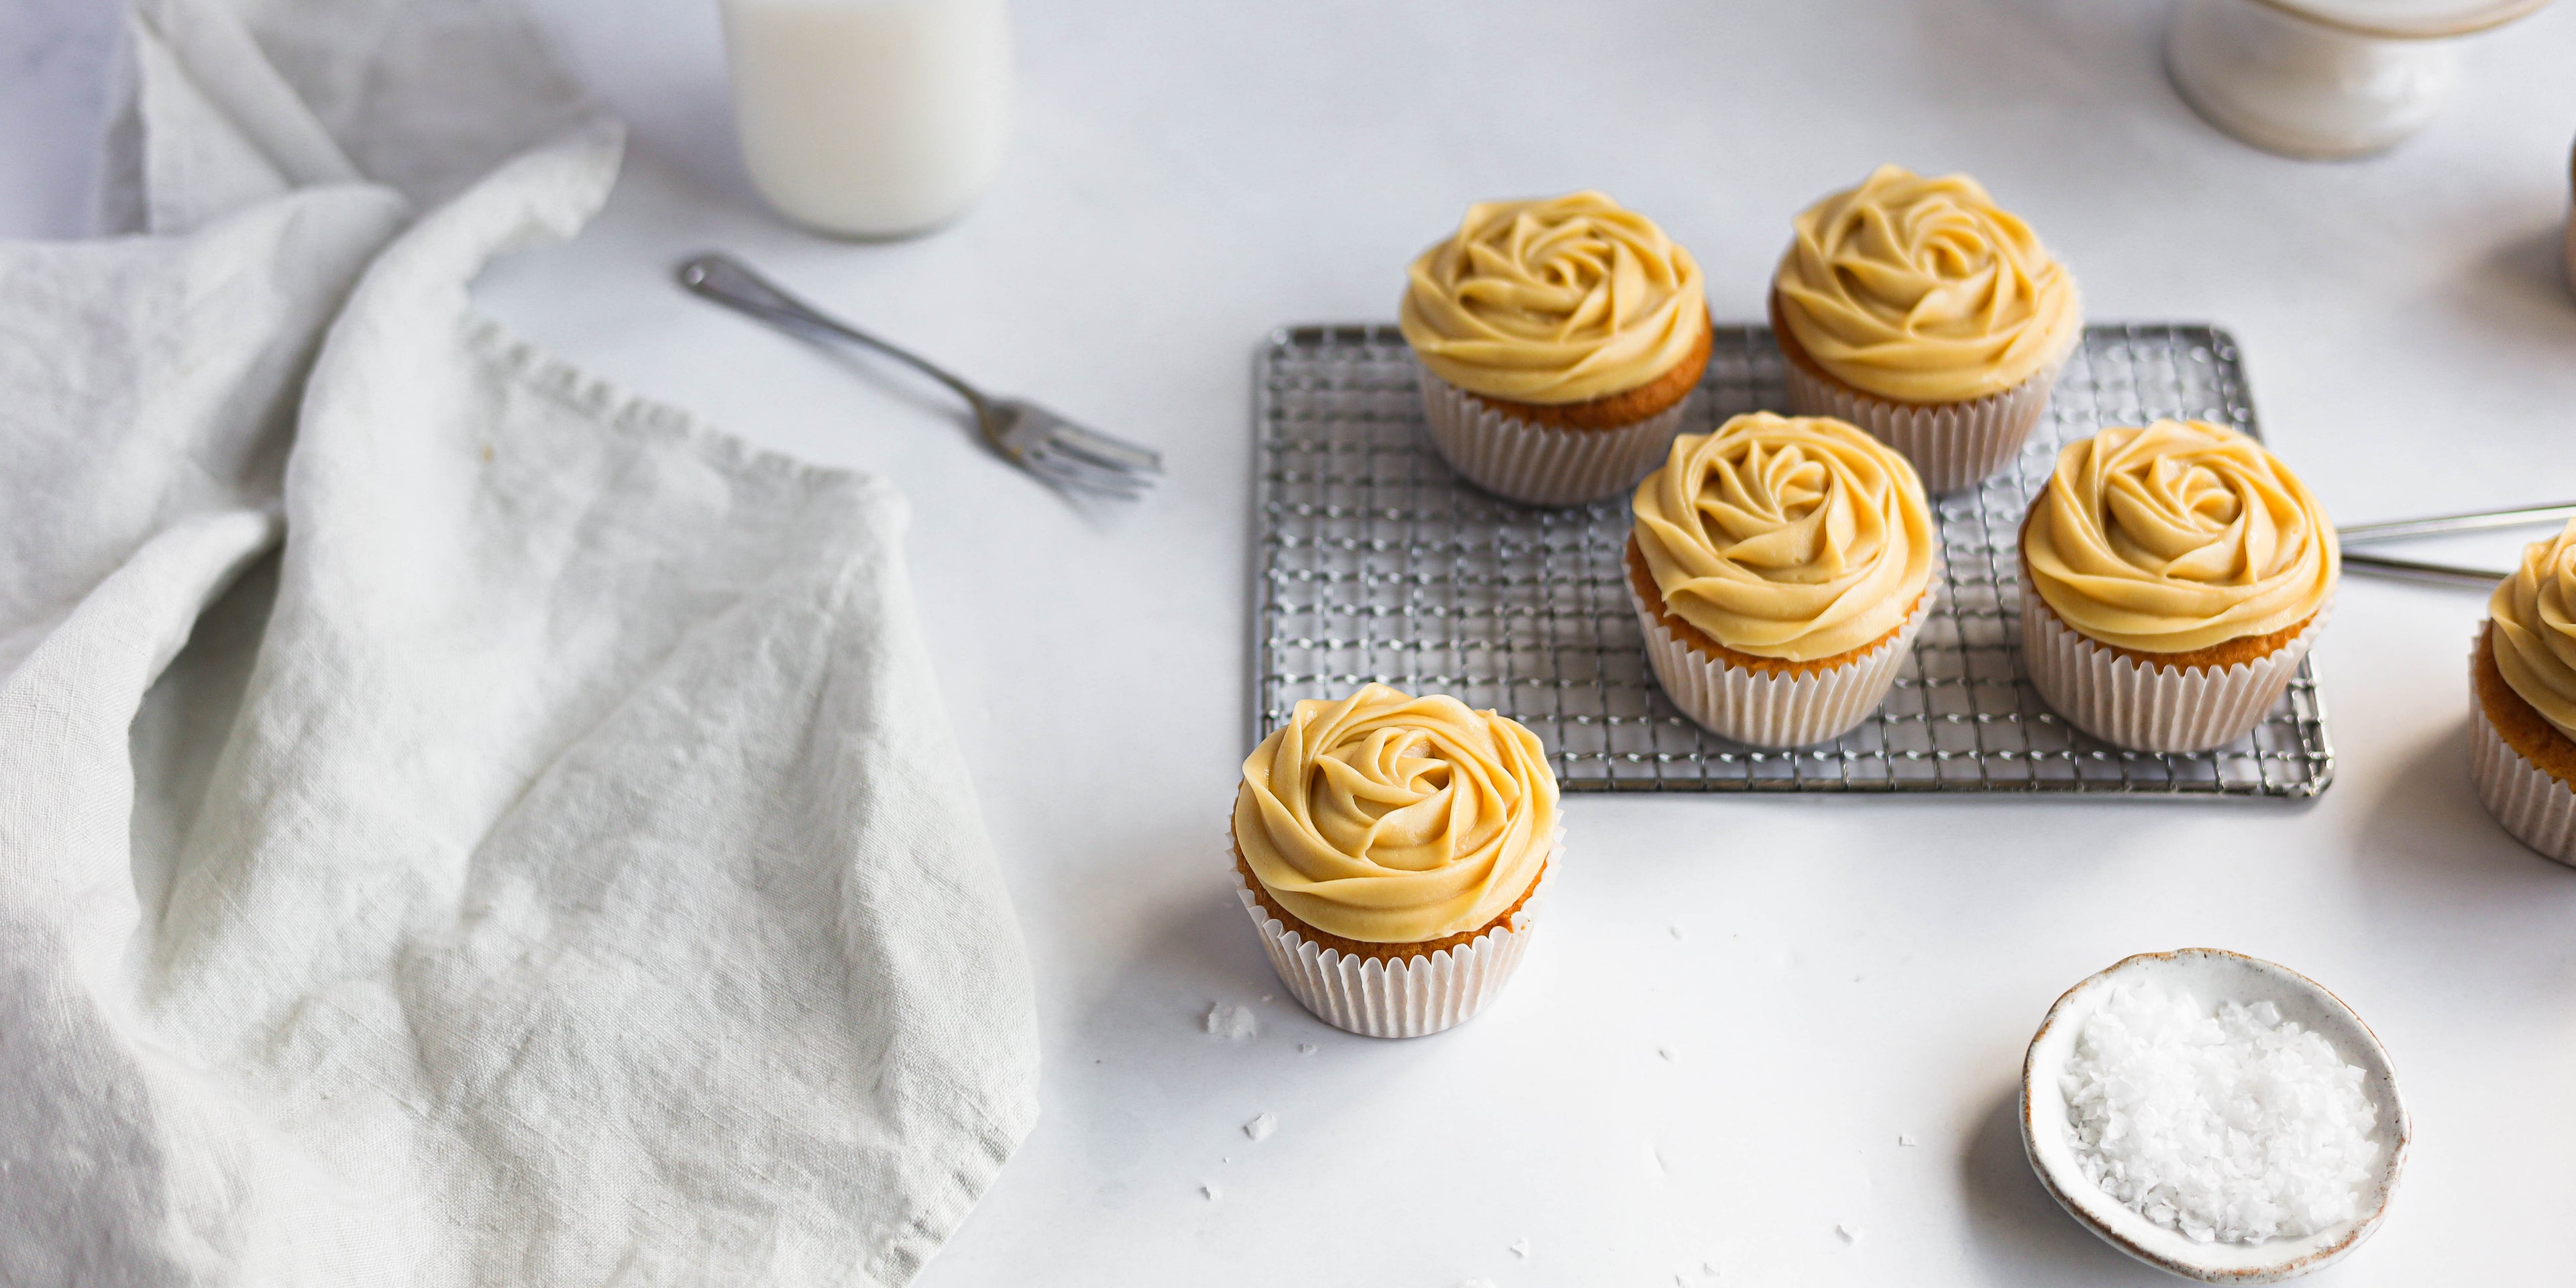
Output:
(1915, 309)
(1780, 568)
(1558, 339)
(1390, 850)
(2172, 579)
(2522, 736)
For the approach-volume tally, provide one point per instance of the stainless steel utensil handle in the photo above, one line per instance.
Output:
(2478, 522)
(2423, 571)
(729, 282)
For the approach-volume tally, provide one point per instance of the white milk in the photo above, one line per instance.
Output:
(870, 118)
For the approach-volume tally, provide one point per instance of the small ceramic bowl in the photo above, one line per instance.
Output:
(2211, 976)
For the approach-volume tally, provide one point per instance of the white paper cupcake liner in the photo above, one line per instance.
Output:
(2538, 810)
(1952, 445)
(1542, 464)
(1776, 709)
(1399, 997)
(2128, 703)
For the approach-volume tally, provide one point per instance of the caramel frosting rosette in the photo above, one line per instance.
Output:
(2177, 537)
(2534, 611)
(1554, 301)
(1920, 290)
(1385, 818)
(1790, 538)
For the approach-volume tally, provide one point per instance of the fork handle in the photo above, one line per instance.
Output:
(2423, 571)
(2478, 522)
(729, 282)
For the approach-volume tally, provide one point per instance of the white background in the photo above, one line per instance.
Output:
(1826, 975)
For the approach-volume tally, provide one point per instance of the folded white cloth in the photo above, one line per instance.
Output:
(553, 867)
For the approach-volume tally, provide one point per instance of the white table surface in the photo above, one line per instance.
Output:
(1736, 1007)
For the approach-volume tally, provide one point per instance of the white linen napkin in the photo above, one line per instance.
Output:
(553, 867)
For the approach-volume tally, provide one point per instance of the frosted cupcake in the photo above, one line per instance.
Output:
(1780, 568)
(1558, 340)
(1917, 310)
(1389, 850)
(2173, 577)
(2522, 735)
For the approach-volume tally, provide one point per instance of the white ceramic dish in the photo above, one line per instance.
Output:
(2324, 79)
(2211, 975)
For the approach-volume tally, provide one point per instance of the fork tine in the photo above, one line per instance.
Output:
(1056, 477)
(1052, 443)
(1112, 452)
(1072, 471)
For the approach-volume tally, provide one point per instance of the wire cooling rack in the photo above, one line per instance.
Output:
(1372, 561)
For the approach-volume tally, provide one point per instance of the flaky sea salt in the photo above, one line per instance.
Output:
(2230, 1126)
(1227, 1020)
(1261, 1127)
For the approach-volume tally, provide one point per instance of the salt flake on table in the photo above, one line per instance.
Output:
(1847, 1232)
(1211, 1191)
(1231, 1022)
(1520, 1248)
(1305, 1048)
(1904, 1141)
(1261, 1127)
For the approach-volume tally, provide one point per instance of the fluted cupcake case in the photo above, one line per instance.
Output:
(1399, 997)
(1776, 709)
(2538, 809)
(1951, 445)
(1542, 464)
(2128, 703)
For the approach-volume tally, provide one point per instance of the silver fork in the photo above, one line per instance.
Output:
(1040, 441)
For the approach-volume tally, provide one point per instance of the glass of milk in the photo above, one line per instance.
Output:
(870, 118)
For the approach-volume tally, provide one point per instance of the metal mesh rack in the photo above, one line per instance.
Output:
(1372, 561)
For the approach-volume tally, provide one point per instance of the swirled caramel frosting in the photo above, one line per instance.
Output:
(1793, 538)
(1555, 301)
(1920, 290)
(1392, 819)
(2535, 629)
(2176, 537)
